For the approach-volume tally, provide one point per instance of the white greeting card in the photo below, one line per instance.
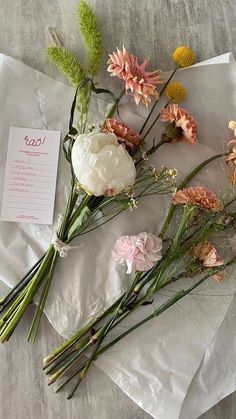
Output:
(30, 176)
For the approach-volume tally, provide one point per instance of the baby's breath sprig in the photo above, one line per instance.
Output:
(133, 203)
(148, 182)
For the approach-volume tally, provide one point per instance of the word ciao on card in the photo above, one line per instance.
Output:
(34, 142)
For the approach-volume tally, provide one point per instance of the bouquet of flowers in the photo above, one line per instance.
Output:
(108, 166)
(197, 218)
(110, 174)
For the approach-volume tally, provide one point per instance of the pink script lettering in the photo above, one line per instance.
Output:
(34, 142)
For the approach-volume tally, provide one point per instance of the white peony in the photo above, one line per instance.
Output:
(102, 165)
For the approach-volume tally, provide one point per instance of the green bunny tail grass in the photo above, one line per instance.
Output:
(69, 65)
(92, 35)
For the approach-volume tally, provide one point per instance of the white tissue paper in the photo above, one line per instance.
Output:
(165, 366)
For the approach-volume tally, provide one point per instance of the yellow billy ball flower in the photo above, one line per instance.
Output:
(184, 56)
(176, 92)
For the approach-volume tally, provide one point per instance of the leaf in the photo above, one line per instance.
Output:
(84, 215)
(92, 35)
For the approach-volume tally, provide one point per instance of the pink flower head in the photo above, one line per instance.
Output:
(184, 125)
(141, 83)
(207, 254)
(123, 132)
(199, 196)
(138, 253)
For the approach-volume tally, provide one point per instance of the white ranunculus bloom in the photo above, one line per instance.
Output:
(102, 165)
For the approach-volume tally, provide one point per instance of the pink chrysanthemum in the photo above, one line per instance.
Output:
(206, 253)
(199, 196)
(124, 133)
(141, 83)
(183, 120)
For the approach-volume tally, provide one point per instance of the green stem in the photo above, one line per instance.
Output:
(4, 302)
(86, 116)
(104, 330)
(175, 243)
(82, 370)
(77, 212)
(97, 337)
(33, 286)
(154, 122)
(182, 185)
(39, 311)
(70, 342)
(69, 208)
(156, 102)
(152, 150)
(230, 202)
(158, 281)
(114, 106)
(13, 306)
(171, 301)
(67, 365)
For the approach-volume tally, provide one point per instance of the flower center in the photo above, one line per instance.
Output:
(137, 74)
(172, 132)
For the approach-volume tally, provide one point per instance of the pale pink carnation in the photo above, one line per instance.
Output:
(182, 119)
(138, 253)
(141, 83)
(199, 196)
(208, 255)
(123, 132)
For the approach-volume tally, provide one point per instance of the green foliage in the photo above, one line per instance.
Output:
(92, 35)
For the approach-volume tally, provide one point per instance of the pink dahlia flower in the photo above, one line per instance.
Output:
(123, 132)
(199, 196)
(141, 83)
(183, 120)
(138, 253)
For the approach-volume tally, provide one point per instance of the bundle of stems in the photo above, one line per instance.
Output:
(80, 217)
(66, 362)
